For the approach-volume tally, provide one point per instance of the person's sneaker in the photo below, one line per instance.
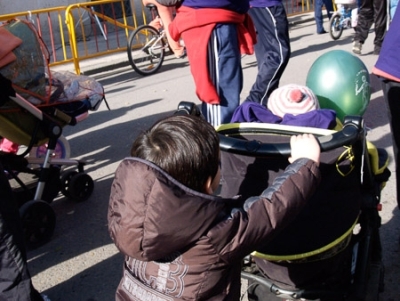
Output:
(181, 56)
(377, 50)
(357, 47)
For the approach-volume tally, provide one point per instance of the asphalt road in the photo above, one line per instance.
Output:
(80, 263)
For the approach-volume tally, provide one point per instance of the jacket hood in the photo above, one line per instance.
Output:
(151, 215)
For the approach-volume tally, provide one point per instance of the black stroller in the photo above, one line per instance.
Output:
(332, 251)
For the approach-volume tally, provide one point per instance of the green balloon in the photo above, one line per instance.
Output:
(341, 82)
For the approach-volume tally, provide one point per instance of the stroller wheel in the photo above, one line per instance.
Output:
(38, 222)
(65, 180)
(81, 187)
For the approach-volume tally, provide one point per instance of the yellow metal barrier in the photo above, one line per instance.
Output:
(85, 30)
(93, 29)
(50, 25)
(103, 35)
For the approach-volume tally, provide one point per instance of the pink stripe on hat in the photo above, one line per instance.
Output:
(292, 99)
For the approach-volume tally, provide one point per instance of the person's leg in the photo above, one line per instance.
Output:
(272, 50)
(365, 20)
(393, 6)
(380, 18)
(225, 70)
(15, 280)
(166, 16)
(391, 94)
(329, 8)
(318, 16)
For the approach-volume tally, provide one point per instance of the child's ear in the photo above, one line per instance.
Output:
(208, 186)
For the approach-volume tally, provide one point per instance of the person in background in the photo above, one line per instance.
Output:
(371, 11)
(15, 279)
(272, 48)
(393, 7)
(180, 241)
(166, 16)
(215, 33)
(318, 15)
(387, 68)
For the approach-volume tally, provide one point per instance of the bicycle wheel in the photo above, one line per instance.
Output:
(335, 27)
(146, 49)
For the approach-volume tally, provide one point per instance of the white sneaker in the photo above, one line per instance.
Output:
(357, 47)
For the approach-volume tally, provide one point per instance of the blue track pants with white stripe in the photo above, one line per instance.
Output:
(272, 50)
(225, 70)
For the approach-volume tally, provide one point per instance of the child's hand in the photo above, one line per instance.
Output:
(304, 146)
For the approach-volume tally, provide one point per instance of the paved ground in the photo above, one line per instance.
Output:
(80, 263)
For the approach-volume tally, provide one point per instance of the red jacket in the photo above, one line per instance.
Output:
(195, 26)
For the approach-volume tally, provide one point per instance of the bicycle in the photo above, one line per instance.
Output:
(343, 17)
(84, 25)
(147, 46)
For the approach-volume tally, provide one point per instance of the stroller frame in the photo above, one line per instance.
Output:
(367, 268)
(37, 216)
(369, 272)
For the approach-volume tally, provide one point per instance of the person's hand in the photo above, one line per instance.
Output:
(304, 146)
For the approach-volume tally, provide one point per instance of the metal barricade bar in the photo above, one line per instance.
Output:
(93, 29)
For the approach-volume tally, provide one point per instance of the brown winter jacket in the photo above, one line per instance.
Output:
(180, 244)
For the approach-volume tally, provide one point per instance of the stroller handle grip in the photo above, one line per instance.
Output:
(352, 130)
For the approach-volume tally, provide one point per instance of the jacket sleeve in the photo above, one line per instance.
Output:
(264, 216)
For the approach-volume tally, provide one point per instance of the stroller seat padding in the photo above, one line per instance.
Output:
(328, 218)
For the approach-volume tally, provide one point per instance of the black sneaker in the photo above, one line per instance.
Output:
(377, 50)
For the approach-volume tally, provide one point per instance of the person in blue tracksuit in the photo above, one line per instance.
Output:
(272, 48)
(212, 32)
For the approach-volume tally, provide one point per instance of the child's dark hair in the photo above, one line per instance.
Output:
(185, 146)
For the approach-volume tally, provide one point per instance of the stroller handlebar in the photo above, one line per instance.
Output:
(351, 132)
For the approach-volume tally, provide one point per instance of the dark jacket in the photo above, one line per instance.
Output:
(15, 280)
(184, 245)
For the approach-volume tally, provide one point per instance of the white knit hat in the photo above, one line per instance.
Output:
(292, 99)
